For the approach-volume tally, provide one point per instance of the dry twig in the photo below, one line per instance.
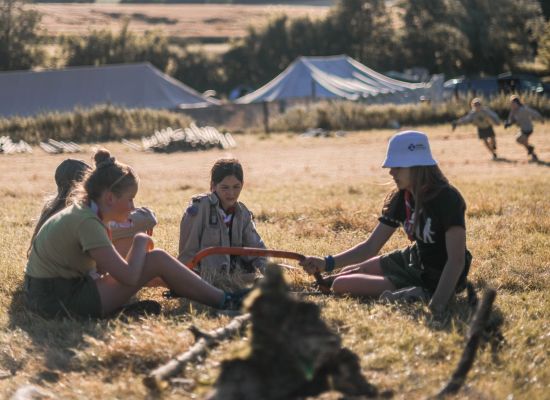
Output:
(156, 380)
(475, 334)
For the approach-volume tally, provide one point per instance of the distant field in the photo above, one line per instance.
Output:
(177, 20)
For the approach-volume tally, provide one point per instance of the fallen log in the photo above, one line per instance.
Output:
(157, 379)
(475, 334)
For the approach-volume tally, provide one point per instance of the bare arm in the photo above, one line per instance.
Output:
(455, 239)
(127, 272)
(361, 252)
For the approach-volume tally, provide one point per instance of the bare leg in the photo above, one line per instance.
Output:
(362, 285)
(488, 145)
(371, 267)
(159, 264)
(366, 279)
(524, 141)
(123, 246)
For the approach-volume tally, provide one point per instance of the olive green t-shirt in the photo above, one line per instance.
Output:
(60, 249)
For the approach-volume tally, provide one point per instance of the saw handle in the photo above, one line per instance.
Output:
(252, 251)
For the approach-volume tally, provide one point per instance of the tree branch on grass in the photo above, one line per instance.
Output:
(475, 335)
(157, 379)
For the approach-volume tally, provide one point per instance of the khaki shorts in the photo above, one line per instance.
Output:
(396, 266)
(54, 297)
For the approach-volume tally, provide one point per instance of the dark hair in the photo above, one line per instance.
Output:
(67, 174)
(108, 174)
(226, 167)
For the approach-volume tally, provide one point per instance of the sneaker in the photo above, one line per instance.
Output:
(495, 157)
(234, 300)
(530, 149)
(534, 157)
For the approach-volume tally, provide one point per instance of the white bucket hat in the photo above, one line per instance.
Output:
(408, 149)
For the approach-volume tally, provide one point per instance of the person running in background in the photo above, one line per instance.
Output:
(483, 118)
(219, 219)
(74, 269)
(523, 116)
(432, 213)
(69, 173)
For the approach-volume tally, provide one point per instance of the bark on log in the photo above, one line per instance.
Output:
(475, 334)
(157, 379)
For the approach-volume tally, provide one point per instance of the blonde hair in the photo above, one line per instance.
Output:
(109, 174)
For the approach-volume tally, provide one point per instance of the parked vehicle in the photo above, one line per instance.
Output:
(490, 86)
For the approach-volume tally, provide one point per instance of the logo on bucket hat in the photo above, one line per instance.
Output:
(408, 149)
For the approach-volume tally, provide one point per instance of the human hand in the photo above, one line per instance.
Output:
(313, 264)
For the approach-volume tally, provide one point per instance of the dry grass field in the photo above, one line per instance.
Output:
(315, 196)
(176, 20)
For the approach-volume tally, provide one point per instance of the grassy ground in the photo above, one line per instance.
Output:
(314, 196)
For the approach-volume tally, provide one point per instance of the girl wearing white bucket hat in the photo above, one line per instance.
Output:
(430, 210)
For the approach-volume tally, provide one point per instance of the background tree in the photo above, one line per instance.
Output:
(19, 36)
(544, 47)
(470, 36)
(105, 47)
(499, 32)
(429, 40)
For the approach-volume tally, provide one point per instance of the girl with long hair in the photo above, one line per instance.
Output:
(218, 218)
(73, 268)
(430, 210)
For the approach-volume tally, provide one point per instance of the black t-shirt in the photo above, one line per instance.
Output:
(441, 212)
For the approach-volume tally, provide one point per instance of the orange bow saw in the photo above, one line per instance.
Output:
(255, 252)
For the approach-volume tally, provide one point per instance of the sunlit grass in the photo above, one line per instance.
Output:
(314, 196)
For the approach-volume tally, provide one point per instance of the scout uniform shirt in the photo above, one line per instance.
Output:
(203, 226)
(522, 117)
(484, 118)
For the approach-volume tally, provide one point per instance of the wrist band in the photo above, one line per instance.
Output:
(329, 263)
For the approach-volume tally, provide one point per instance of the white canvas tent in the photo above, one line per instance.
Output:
(336, 77)
(26, 93)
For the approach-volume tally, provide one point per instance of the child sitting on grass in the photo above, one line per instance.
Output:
(430, 210)
(73, 268)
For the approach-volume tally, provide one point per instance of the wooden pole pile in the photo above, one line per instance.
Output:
(193, 138)
(56, 147)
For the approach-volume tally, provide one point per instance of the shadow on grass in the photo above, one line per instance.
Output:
(542, 163)
(458, 317)
(55, 339)
(505, 160)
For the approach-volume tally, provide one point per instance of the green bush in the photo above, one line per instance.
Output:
(101, 123)
(345, 115)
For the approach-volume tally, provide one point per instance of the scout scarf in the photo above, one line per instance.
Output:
(408, 225)
(95, 209)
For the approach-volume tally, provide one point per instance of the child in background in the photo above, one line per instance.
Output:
(523, 116)
(483, 118)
